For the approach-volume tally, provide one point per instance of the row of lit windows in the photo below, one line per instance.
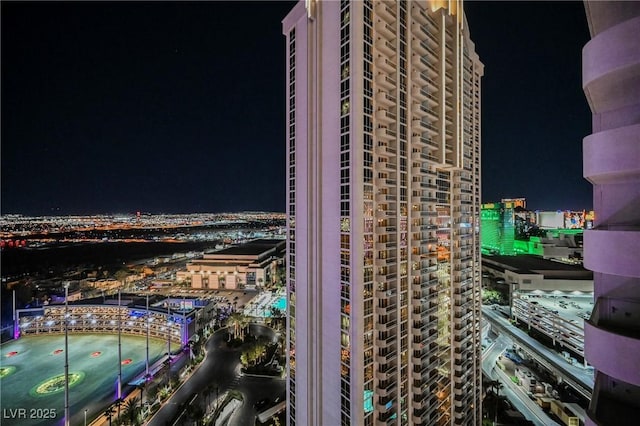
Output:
(291, 240)
(345, 179)
(368, 212)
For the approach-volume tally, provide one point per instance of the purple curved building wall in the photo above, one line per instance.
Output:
(611, 160)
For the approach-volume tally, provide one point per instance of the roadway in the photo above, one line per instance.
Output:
(513, 392)
(578, 378)
(220, 369)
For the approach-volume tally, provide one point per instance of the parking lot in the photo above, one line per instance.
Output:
(560, 317)
(572, 308)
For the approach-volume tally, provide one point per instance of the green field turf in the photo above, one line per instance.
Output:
(93, 360)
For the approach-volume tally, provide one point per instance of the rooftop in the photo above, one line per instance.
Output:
(252, 248)
(530, 264)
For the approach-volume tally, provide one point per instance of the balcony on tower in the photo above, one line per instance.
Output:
(613, 401)
(615, 325)
(385, 11)
(385, 133)
(385, 98)
(385, 81)
(385, 150)
(385, 29)
(385, 116)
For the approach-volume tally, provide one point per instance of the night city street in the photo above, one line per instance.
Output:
(221, 369)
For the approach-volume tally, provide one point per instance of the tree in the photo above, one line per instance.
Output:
(141, 386)
(118, 403)
(152, 393)
(238, 321)
(131, 411)
(496, 385)
(277, 316)
(109, 413)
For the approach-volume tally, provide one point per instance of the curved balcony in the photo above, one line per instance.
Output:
(418, 66)
(613, 251)
(386, 134)
(385, 150)
(383, 11)
(614, 328)
(608, 74)
(385, 64)
(419, 48)
(612, 154)
(385, 116)
(385, 29)
(384, 82)
(385, 98)
(613, 402)
(418, 94)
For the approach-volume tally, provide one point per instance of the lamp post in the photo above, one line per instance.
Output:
(183, 330)
(66, 355)
(147, 360)
(16, 323)
(85, 417)
(119, 392)
(169, 330)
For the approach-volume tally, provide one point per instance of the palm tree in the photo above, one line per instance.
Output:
(119, 402)
(109, 413)
(239, 322)
(141, 386)
(276, 316)
(131, 410)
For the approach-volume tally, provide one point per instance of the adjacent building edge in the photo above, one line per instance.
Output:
(611, 160)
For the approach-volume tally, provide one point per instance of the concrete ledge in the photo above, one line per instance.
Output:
(611, 65)
(603, 343)
(612, 155)
(613, 252)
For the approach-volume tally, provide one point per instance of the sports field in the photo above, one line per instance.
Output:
(32, 375)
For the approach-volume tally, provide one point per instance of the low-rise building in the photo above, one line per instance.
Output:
(248, 265)
(528, 273)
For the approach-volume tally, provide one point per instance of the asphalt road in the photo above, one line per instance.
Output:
(513, 393)
(544, 355)
(221, 369)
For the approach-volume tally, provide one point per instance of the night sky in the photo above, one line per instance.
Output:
(179, 107)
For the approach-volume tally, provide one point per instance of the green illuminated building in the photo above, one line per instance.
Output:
(507, 228)
(497, 229)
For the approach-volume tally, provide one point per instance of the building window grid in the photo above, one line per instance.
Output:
(368, 173)
(291, 224)
(345, 196)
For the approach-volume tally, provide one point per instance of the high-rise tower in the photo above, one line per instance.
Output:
(611, 81)
(383, 138)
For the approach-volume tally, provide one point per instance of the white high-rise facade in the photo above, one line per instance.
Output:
(383, 254)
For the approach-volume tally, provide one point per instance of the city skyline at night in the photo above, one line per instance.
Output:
(178, 107)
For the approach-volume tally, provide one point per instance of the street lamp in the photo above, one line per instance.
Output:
(66, 356)
(85, 417)
(119, 390)
(169, 329)
(147, 321)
